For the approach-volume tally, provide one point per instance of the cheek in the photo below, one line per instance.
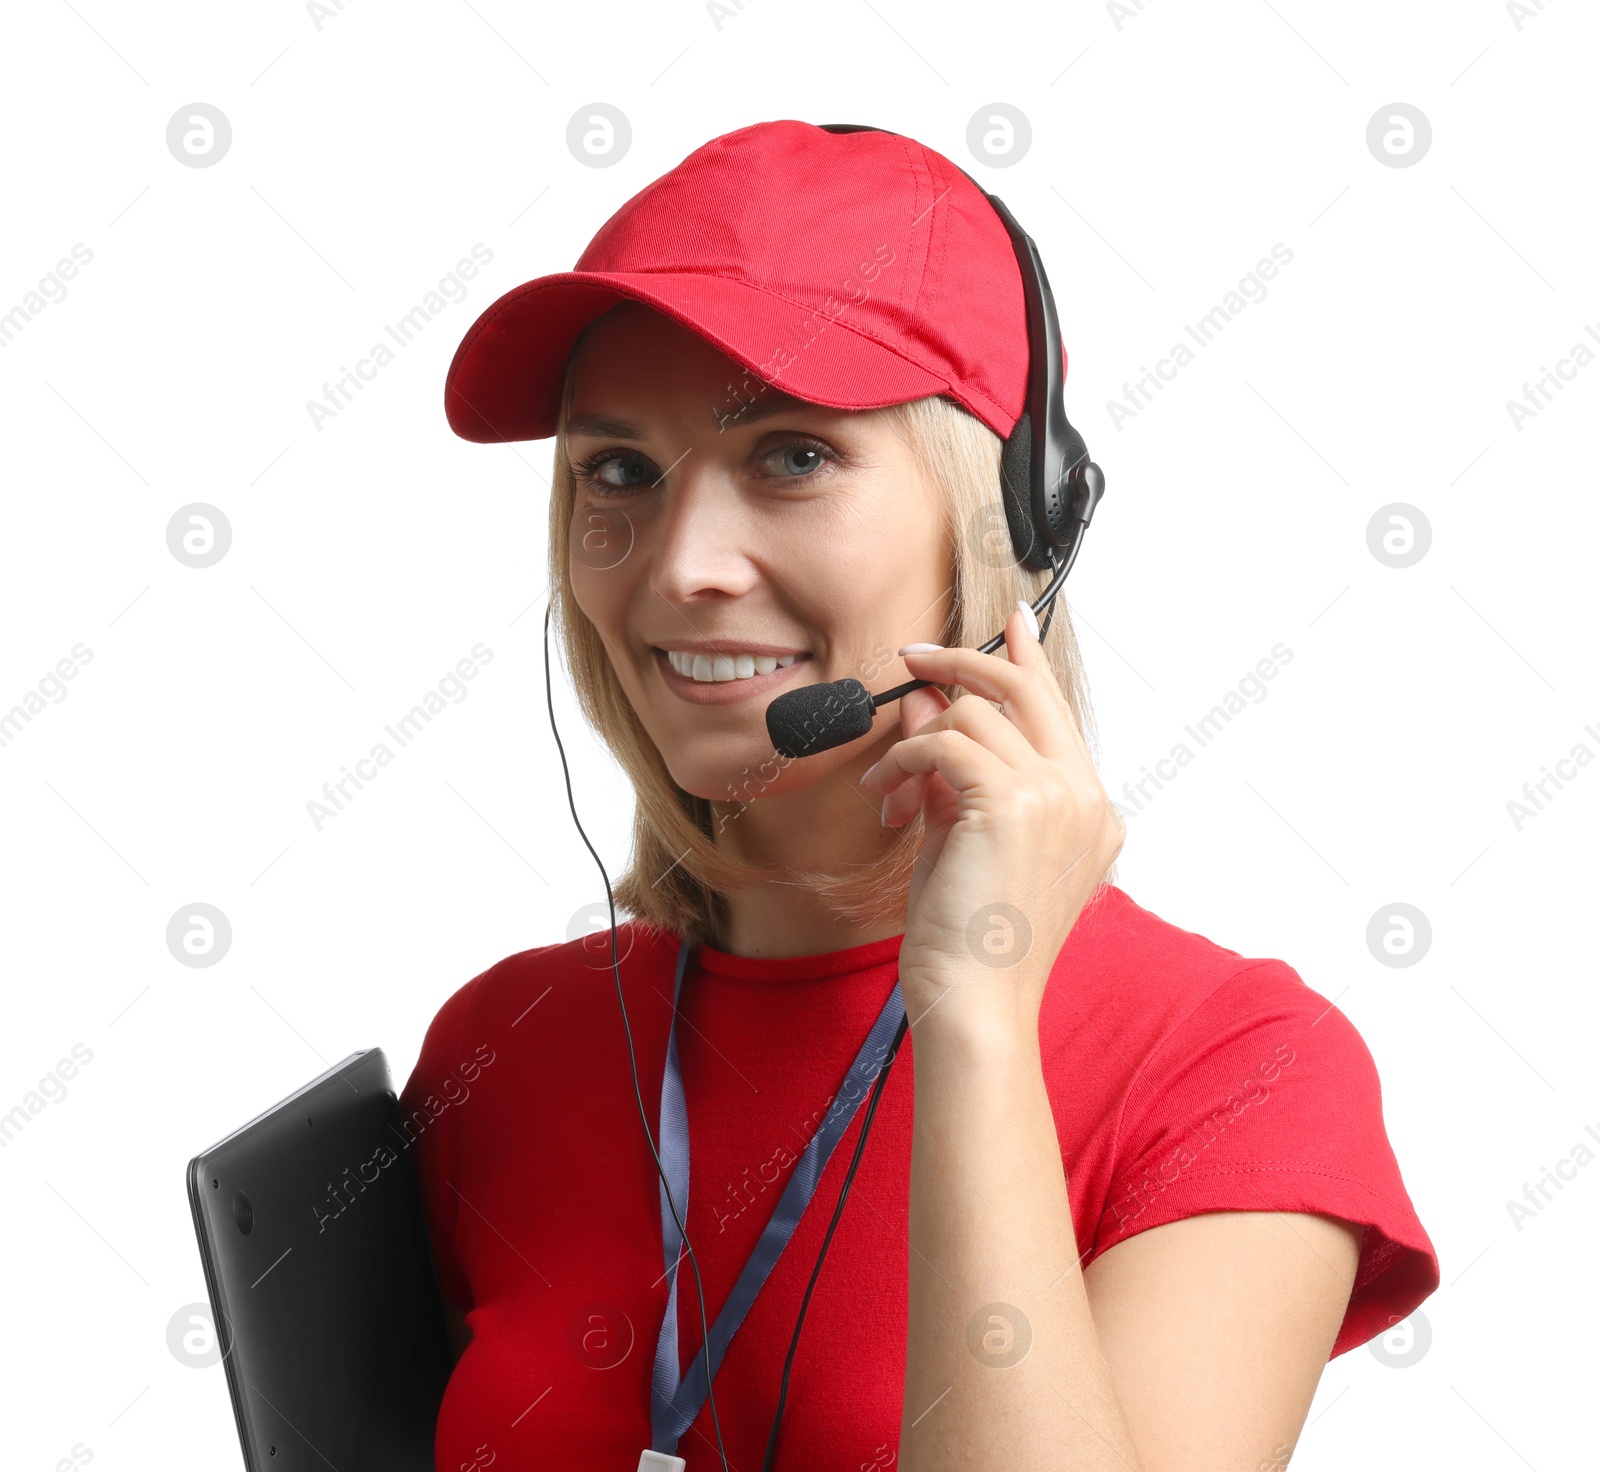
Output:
(874, 596)
(603, 558)
(600, 601)
(606, 564)
(601, 539)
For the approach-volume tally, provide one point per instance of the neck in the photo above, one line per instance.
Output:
(830, 826)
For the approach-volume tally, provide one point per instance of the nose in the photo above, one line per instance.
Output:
(703, 538)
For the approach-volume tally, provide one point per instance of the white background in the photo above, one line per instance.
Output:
(1171, 150)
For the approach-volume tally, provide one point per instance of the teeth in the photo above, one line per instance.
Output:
(714, 669)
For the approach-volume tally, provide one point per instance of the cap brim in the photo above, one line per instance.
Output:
(505, 380)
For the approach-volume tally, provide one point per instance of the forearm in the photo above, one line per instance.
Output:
(990, 1225)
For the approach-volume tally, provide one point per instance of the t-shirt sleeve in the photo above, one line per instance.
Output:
(1266, 1098)
(429, 1124)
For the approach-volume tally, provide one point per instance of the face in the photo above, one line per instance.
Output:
(723, 525)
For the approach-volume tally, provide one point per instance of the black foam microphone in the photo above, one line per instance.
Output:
(819, 717)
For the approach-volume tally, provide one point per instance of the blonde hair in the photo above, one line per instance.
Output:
(678, 878)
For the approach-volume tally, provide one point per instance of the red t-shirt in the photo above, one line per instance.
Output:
(1183, 1077)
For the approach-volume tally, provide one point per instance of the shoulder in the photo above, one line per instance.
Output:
(1139, 981)
(1225, 1082)
(1176, 1021)
(558, 993)
(572, 978)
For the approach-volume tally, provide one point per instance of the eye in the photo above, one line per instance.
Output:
(797, 460)
(610, 471)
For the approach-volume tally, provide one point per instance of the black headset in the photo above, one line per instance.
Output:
(1049, 487)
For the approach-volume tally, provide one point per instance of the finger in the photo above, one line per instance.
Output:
(1025, 650)
(964, 763)
(1026, 690)
(973, 716)
(916, 710)
(1022, 644)
(902, 804)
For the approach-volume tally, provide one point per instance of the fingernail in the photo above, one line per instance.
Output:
(870, 770)
(883, 812)
(918, 648)
(1029, 617)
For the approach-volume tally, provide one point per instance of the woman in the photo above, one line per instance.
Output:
(1125, 1190)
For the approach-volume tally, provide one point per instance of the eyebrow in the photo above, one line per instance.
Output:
(604, 426)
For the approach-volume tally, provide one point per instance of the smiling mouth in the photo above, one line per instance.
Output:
(707, 669)
(722, 678)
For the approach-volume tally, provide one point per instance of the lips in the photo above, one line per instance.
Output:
(724, 692)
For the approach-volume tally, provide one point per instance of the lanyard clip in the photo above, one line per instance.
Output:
(660, 1462)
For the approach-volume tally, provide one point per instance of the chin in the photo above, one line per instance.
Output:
(726, 782)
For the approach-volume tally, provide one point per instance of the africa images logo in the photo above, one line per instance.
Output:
(1206, 1131)
(454, 1090)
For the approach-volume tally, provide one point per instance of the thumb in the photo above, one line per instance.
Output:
(916, 710)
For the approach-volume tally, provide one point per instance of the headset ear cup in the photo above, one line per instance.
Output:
(1016, 494)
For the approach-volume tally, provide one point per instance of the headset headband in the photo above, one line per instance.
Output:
(1049, 494)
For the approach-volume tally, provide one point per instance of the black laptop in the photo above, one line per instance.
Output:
(321, 1279)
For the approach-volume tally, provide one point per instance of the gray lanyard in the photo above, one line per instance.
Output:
(674, 1403)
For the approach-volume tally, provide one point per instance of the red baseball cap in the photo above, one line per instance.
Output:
(853, 270)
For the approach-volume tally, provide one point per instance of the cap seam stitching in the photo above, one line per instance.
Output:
(916, 201)
(935, 226)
